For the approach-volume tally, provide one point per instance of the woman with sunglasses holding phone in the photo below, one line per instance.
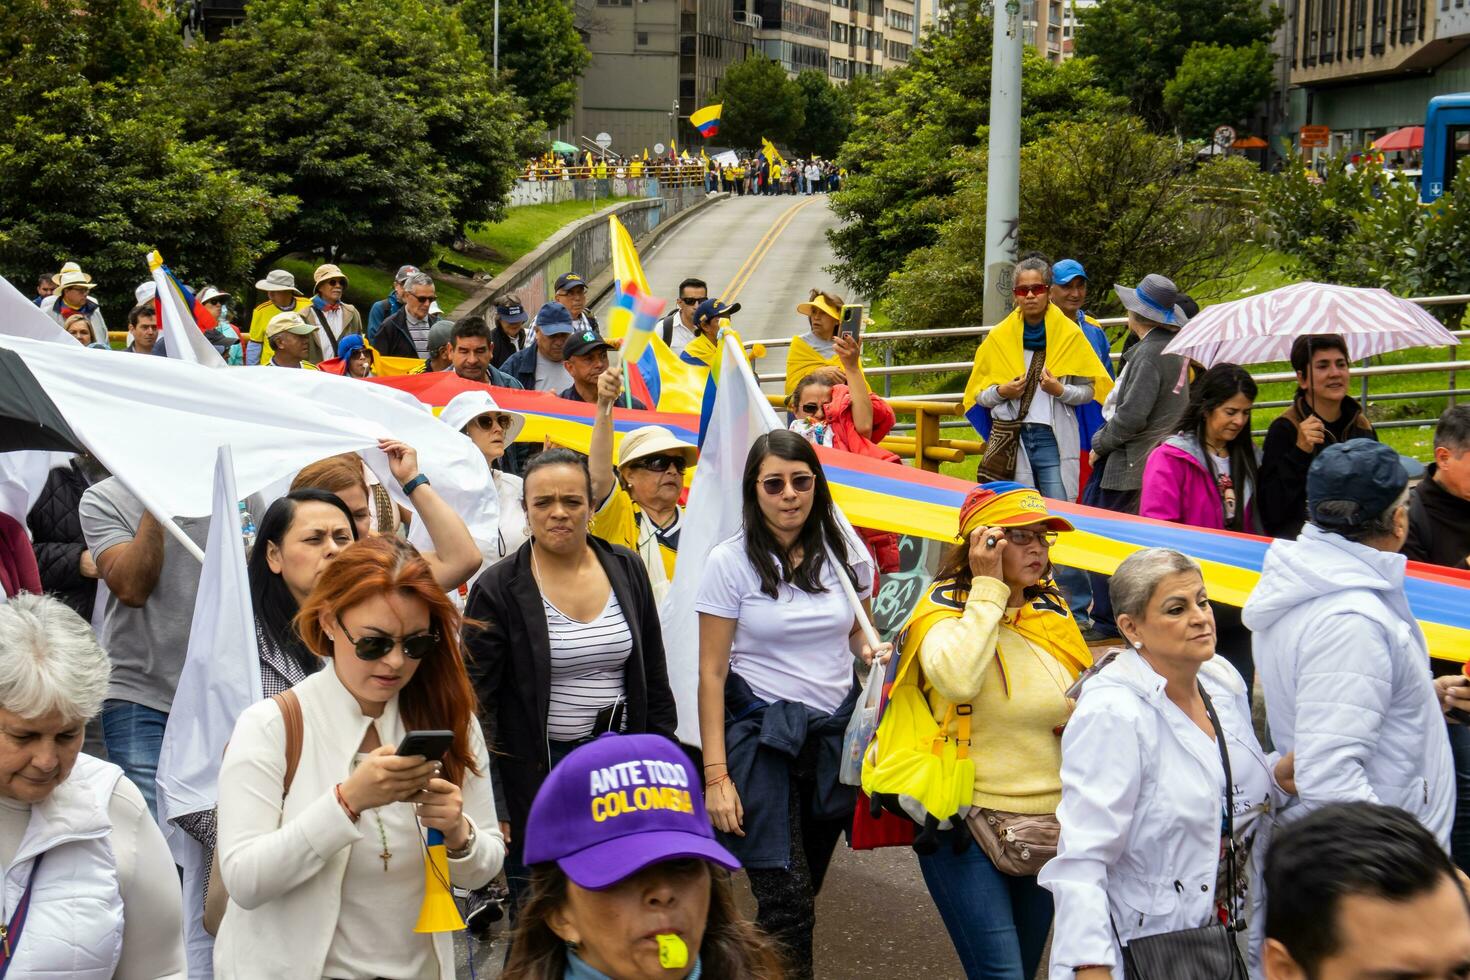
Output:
(492, 429)
(636, 503)
(993, 635)
(326, 877)
(571, 646)
(777, 638)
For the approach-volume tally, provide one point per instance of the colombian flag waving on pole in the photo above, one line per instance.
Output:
(707, 120)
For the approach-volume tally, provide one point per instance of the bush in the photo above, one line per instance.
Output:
(1124, 201)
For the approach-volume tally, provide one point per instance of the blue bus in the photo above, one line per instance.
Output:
(1446, 142)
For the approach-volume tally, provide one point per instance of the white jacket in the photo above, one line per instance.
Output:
(284, 862)
(1345, 671)
(1142, 795)
(79, 926)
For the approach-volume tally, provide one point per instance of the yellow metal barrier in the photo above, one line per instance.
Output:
(925, 447)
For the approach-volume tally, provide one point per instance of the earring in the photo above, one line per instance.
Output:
(1138, 644)
(526, 531)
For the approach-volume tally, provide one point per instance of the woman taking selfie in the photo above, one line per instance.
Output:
(326, 875)
(571, 647)
(993, 634)
(633, 893)
(1165, 789)
(777, 637)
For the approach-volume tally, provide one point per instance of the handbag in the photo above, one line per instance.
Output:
(1004, 443)
(216, 897)
(1018, 844)
(1209, 952)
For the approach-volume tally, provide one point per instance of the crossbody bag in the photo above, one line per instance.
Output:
(1209, 952)
(1004, 444)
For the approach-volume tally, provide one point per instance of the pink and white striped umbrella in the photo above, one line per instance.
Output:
(1262, 328)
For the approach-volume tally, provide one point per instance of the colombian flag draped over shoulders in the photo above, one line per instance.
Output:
(1000, 360)
(802, 359)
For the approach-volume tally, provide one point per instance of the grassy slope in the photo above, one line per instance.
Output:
(1260, 270)
(523, 229)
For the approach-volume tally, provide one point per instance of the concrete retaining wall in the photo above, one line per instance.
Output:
(553, 191)
(583, 247)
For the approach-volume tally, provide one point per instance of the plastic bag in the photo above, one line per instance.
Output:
(861, 726)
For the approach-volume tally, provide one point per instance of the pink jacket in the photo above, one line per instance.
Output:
(1177, 487)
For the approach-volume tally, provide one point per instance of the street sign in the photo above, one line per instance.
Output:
(1224, 136)
(658, 148)
(1311, 136)
(603, 141)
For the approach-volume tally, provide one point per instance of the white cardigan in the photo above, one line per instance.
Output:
(1140, 812)
(284, 862)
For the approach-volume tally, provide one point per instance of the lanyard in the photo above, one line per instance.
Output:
(10, 934)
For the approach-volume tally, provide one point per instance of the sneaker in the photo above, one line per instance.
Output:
(487, 907)
(1094, 635)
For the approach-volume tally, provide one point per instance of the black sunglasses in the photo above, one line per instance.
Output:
(371, 648)
(488, 422)
(691, 302)
(776, 485)
(810, 408)
(421, 299)
(661, 464)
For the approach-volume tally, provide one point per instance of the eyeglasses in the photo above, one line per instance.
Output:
(334, 282)
(488, 422)
(415, 647)
(421, 299)
(811, 408)
(1035, 289)
(695, 301)
(661, 464)
(1024, 537)
(776, 485)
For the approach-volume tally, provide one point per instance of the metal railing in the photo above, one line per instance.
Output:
(921, 440)
(669, 174)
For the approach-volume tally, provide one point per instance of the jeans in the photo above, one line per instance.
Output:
(133, 735)
(1460, 829)
(998, 923)
(1040, 445)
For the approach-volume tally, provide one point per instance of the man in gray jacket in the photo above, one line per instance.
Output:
(1150, 396)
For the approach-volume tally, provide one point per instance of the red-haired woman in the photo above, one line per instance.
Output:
(326, 877)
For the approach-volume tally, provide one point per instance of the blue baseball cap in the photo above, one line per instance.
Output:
(1067, 270)
(553, 318)
(1360, 479)
(511, 313)
(569, 280)
(615, 806)
(713, 309)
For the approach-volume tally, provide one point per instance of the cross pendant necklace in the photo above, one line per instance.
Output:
(386, 855)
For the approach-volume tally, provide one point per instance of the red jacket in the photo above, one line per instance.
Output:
(845, 435)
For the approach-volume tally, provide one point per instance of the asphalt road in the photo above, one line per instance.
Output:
(874, 915)
(765, 253)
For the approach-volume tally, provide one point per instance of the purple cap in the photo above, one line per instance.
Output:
(617, 805)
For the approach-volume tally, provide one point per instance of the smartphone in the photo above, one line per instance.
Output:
(431, 744)
(852, 320)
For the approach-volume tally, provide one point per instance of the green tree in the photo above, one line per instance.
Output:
(1217, 85)
(828, 115)
(541, 53)
(1140, 44)
(379, 116)
(1127, 201)
(759, 101)
(94, 166)
(911, 128)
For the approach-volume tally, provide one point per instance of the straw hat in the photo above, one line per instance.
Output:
(71, 276)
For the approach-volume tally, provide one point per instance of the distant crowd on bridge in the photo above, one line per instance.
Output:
(1073, 757)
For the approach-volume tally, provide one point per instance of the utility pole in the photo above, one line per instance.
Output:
(496, 54)
(1003, 169)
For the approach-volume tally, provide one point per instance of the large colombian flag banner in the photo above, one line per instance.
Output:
(907, 500)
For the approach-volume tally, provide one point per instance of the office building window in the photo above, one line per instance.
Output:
(899, 51)
(799, 19)
(615, 3)
(642, 39)
(839, 32)
(901, 21)
(837, 68)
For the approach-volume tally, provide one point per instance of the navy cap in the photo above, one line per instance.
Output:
(1067, 270)
(553, 318)
(511, 313)
(713, 309)
(569, 280)
(585, 342)
(1351, 483)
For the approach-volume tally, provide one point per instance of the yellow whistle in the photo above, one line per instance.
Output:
(673, 953)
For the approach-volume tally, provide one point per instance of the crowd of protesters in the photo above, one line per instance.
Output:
(1110, 793)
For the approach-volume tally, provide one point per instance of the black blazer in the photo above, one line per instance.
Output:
(509, 662)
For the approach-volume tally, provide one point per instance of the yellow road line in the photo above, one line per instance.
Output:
(754, 259)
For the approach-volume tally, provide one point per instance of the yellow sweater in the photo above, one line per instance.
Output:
(1018, 757)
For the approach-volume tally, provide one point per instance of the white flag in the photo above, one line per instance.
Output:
(220, 679)
(19, 317)
(183, 338)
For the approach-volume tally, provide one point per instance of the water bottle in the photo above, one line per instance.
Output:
(247, 528)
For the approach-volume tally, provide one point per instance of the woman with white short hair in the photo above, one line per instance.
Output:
(89, 888)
